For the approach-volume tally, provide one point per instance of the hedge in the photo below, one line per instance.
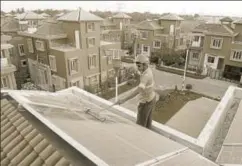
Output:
(179, 72)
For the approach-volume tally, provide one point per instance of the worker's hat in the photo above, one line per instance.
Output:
(142, 59)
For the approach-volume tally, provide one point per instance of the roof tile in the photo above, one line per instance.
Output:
(21, 143)
(171, 17)
(149, 25)
(29, 159)
(121, 15)
(53, 158)
(37, 161)
(79, 15)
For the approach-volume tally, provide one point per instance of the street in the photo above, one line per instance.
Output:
(165, 80)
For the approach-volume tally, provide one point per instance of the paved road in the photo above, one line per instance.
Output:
(207, 86)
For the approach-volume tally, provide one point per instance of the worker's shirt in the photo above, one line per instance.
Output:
(147, 85)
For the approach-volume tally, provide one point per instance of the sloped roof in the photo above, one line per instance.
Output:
(121, 15)
(107, 22)
(79, 15)
(149, 25)
(60, 14)
(214, 28)
(189, 25)
(22, 143)
(50, 28)
(238, 21)
(29, 16)
(10, 26)
(9, 15)
(226, 19)
(45, 15)
(172, 17)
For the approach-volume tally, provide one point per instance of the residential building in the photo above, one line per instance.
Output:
(29, 20)
(217, 47)
(67, 52)
(164, 31)
(112, 28)
(7, 68)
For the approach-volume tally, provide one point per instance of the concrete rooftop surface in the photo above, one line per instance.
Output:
(231, 152)
(100, 136)
(200, 110)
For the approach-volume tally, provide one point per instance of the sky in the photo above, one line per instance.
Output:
(221, 8)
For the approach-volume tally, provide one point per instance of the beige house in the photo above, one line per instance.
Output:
(7, 69)
(155, 33)
(218, 47)
(68, 52)
(112, 28)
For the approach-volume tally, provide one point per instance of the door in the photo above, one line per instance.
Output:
(146, 50)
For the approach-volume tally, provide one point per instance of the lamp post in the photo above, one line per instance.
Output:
(117, 66)
(185, 68)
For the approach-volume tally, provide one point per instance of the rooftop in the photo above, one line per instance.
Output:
(226, 19)
(79, 15)
(106, 137)
(121, 15)
(214, 28)
(149, 25)
(172, 17)
(231, 149)
(238, 21)
(29, 16)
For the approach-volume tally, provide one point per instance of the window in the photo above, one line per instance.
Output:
(236, 55)
(196, 38)
(4, 82)
(195, 55)
(126, 36)
(211, 59)
(21, 49)
(144, 34)
(157, 44)
(90, 27)
(73, 65)
(30, 45)
(145, 48)
(216, 43)
(111, 73)
(92, 61)
(91, 42)
(24, 63)
(39, 45)
(52, 63)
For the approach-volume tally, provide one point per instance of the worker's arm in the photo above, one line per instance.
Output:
(137, 90)
(134, 93)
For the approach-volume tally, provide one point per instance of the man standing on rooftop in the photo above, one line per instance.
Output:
(146, 91)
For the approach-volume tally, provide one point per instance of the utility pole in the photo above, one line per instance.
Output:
(185, 68)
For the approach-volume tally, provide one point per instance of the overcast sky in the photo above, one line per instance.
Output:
(229, 8)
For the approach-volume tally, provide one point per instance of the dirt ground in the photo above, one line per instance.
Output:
(170, 102)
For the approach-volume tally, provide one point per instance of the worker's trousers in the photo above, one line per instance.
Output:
(144, 115)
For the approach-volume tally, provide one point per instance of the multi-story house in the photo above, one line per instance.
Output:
(112, 28)
(30, 20)
(163, 31)
(7, 68)
(67, 52)
(218, 47)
